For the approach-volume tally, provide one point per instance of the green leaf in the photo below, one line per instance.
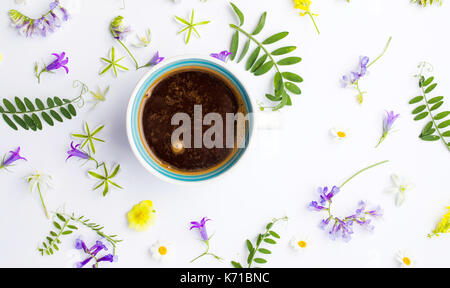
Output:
(244, 51)
(273, 98)
(47, 118)
(278, 83)
(72, 227)
(430, 138)
(260, 260)
(264, 68)
(274, 234)
(21, 122)
(259, 62)
(29, 104)
(421, 116)
(428, 81)
(39, 104)
(275, 38)
(283, 50)
(436, 106)
(293, 88)
(264, 251)
(239, 14)
(30, 122)
(36, 121)
(72, 110)
(435, 99)
(95, 175)
(60, 217)
(416, 100)
(419, 109)
(234, 45)
(260, 26)
(430, 88)
(57, 225)
(116, 170)
(20, 104)
(270, 241)
(67, 232)
(446, 134)
(65, 113)
(58, 101)
(268, 226)
(56, 116)
(10, 122)
(249, 245)
(444, 124)
(292, 77)
(441, 115)
(251, 60)
(236, 264)
(50, 103)
(289, 61)
(9, 106)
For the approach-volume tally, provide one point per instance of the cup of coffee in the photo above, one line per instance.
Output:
(190, 120)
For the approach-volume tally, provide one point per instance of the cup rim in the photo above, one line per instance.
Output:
(129, 120)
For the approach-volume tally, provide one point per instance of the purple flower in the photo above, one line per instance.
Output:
(222, 56)
(389, 121)
(77, 153)
(41, 26)
(155, 60)
(377, 212)
(314, 206)
(202, 227)
(80, 245)
(355, 76)
(60, 62)
(325, 196)
(92, 253)
(15, 156)
(118, 28)
(324, 223)
(108, 258)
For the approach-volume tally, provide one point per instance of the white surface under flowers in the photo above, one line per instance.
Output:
(281, 174)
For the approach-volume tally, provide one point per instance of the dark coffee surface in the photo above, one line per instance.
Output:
(179, 92)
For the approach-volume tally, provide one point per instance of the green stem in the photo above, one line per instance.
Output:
(381, 140)
(129, 53)
(362, 170)
(42, 201)
(312, 18)
(382, 54)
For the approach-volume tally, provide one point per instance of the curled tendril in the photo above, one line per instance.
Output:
(424, 66)
(84, 89)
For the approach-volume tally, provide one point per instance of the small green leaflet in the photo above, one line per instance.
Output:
(260, 60)
(105, 180)
(190, 26)
(88, 137)
(113, 63)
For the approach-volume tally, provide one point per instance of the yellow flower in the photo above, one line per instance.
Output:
(304, 6)
(1, 58)
(142, 216)
(443, 226)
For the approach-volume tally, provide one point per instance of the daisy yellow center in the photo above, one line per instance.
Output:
(406, 261)
(162, 250)
(302, 244)
(341, 134)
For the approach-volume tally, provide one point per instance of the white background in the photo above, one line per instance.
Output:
(283, 170)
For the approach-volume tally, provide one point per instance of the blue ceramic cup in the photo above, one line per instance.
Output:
(134, 119)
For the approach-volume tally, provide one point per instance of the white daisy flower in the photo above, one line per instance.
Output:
(405, 259)
(339, 133)
(300, 243)
(162, 251)
(401, 187)
(40, 182)
(143, 40)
